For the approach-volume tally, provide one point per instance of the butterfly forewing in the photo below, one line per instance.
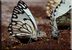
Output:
(25, 8)
(22, 5)
(62, 8)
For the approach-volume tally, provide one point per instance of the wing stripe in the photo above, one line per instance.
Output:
(22, 4)
(30, 20)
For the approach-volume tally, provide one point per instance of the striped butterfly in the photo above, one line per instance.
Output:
(23, 24)
(62, 8)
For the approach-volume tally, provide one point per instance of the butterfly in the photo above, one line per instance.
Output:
(23, 24)
(54, 12)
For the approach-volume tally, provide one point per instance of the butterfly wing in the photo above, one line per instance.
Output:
(62, 8)
(22, 22)
(50, 6)
(23, 6)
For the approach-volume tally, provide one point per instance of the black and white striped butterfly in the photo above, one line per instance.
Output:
(23, 24)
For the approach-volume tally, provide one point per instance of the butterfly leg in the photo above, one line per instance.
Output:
(30, 40)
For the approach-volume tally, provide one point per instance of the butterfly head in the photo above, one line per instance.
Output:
(38, 33)
(41, 33)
